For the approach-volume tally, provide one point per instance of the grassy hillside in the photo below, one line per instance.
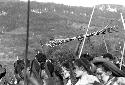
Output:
(49, 20)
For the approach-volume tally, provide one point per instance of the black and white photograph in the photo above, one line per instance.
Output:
(62, 42)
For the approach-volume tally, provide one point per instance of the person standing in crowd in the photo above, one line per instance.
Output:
(107, 71)
(66, 73)
(82, 74)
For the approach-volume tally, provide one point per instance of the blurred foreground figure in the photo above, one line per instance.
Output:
(44, 71)
(19, 69)
(54, 73)
(37, 66)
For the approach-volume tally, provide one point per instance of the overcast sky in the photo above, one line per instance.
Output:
(86, 3)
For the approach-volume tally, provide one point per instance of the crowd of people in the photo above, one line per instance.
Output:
(86, 70)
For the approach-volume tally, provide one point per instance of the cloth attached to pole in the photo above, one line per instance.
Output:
(108, 65)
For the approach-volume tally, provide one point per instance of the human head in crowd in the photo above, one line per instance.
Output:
(65, 69)
(87, 63)
(87, 56)
(80, 67)
(82, 74)
(103, 74)
(41, 57)
(108, 56)
(66, 64)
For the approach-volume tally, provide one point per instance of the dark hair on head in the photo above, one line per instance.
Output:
(66, 64)
(41, 57)
(79, 63)
(108, 55)
(83, 63)
(87, 56)
(58, 74)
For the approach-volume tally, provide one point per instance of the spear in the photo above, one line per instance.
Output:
(86, 31)
(124, 42)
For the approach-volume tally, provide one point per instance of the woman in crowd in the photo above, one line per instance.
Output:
(107, 71)
(66, 73)
(82, 74)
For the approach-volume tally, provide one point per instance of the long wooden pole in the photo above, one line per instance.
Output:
(86, 31)
(27, 42)
(105, 41)
(104, 37)
(105, 44)
(124, 42)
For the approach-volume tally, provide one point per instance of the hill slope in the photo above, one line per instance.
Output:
(49, 20)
